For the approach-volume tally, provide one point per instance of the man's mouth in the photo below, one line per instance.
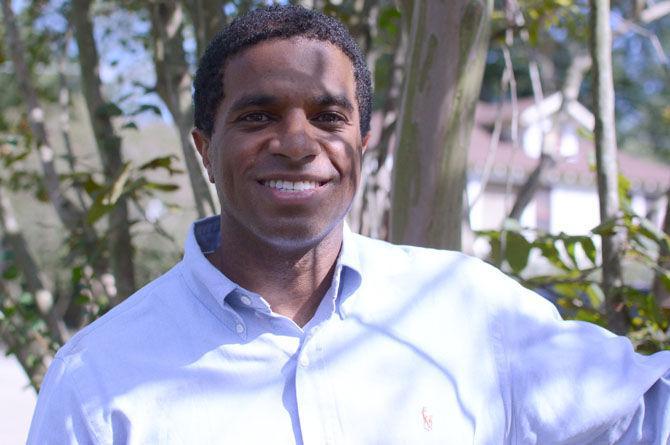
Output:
(291, 186)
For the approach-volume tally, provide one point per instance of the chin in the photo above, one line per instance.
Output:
(295, 237)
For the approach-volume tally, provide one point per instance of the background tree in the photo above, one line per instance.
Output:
(447, 50)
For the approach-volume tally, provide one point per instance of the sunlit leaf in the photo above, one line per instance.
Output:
(605, 228)
(595, 295)
(589, 248)
(117, 186)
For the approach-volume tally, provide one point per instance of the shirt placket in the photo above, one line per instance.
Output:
(317, 410)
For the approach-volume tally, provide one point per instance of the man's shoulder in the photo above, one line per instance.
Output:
(450, 276)
(388, 258)
(136, 316)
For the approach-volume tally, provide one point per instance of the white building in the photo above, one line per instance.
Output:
(566, 200)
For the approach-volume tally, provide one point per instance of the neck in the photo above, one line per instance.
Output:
(292, 280)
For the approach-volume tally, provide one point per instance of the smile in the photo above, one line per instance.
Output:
(290, 186)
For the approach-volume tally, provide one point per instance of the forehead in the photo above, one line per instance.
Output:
(272, 65)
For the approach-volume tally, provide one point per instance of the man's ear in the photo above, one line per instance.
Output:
(202, 143)
(366, 140)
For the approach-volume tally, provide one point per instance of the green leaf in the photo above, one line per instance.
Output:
(665, 280)
(81, 299)
(97, 210)
(147, 107)
(605, 228)
(77, 273)
(589, 248)
(163, 187)
(26, 298)
(596, 295)
(624, 191)
(389, 19)
(569, 290)
(590, 316)
(570, 243)
(109, 109)
(649, 230)
(91, 186)
(9, 311)
(10, 273)
(517, 249)
(547, 246)
(164, 162)
(117, 187)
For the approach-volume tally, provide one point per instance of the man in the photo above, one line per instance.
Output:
(280, 326)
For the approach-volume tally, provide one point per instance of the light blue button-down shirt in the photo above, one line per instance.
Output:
(409, 346)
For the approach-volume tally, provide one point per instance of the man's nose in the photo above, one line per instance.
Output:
(296, 139)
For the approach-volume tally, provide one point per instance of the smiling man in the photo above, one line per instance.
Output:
(284, 149)
(279, 326)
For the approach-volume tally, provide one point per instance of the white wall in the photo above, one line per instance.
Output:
(573, 211)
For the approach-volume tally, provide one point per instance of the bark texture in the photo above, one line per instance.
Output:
(173, 83)
(447, 50)
(109, 147)
(606, 161)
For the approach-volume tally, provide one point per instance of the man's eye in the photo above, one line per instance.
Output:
(330, 118)
(255, 117)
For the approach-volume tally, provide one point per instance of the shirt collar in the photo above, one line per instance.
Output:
(213, 288)
(351, 277)
(203, 237)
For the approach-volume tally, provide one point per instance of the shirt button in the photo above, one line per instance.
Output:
(245, 300)
(304, 361)
(239, 328)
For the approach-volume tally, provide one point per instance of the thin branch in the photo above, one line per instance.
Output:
(35, 281)
(655, 12)
(66, 210)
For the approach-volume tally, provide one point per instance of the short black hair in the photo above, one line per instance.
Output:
(273, 22)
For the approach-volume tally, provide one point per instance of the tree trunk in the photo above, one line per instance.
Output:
(73, 218)
(606, 161)
(16, 330)
(33, 277)
(370, 209)
(67, 212)
(109, 148)
(173, 83)
(447, 51)
(208, 19)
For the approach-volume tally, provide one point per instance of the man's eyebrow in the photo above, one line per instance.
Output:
(253, 100)
(339, 100)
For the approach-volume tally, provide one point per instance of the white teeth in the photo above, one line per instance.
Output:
(289, 186)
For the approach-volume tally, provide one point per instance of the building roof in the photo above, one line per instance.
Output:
(647, 176)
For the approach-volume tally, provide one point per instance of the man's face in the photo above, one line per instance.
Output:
(285, 152)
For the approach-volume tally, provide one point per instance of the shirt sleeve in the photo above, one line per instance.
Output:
(577, 383)
(58, 417)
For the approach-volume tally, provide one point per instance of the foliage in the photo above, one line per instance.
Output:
(554, 31)
(575, 268)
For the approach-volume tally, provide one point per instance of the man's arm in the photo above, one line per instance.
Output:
(575, 382)
(58, 418)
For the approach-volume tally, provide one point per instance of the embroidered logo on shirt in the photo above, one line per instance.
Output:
(427, 419)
